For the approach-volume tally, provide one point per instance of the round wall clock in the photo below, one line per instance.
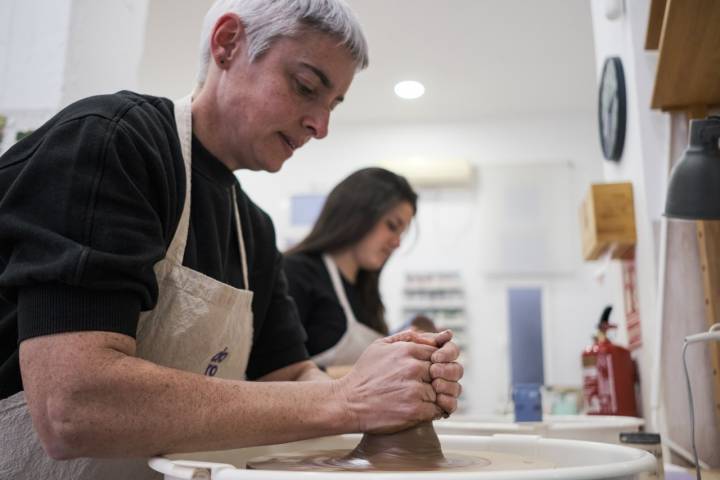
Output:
(612, 113)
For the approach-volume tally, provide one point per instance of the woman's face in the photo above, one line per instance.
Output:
(374, 249)
(275, 104)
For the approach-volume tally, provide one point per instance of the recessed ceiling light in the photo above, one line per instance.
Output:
(409, 89)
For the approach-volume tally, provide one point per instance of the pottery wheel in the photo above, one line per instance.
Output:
(414, 449)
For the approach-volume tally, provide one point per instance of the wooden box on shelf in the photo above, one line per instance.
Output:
(607, 219)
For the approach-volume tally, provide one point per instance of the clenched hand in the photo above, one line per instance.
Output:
(402, 380)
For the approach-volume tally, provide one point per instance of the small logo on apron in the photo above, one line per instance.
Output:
(215, 361)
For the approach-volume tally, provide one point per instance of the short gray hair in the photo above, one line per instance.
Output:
(268, 20)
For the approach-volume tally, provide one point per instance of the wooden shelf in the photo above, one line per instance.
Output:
(657, 13)
(688, 71)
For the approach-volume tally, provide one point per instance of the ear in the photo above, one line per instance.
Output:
(228, 40)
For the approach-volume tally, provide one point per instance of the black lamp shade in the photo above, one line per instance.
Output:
(694, 185)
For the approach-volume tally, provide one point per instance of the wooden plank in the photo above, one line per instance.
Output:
(684, 314)
(688, 71)
(655, 21)
(709, 242)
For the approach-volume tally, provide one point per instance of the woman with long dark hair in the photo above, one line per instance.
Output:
(335, 271)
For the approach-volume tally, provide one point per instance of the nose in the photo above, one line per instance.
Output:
(395, 241)
(317, 123)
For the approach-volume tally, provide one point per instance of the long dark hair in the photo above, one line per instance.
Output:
(351, 210)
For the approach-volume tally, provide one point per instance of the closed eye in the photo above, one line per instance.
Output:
(304, 90)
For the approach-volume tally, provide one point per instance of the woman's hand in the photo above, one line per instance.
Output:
(402, 380)
(389, 388)
(445, 371)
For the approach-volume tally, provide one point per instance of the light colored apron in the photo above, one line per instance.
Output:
(357, 337)
(199, 325)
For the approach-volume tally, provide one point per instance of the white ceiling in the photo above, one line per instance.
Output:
(477, 58)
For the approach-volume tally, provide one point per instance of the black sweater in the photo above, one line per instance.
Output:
(320, 311)
(89, 203)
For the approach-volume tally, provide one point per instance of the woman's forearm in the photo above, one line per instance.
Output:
(109, 404)
(89, 396)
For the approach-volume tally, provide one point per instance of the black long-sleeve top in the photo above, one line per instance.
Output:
(90, 202)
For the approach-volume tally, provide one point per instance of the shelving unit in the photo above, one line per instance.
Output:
(688, 78)
(439, 296)
(687, 38)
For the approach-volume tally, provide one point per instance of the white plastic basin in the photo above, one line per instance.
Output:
(593, 428)
(573, 460)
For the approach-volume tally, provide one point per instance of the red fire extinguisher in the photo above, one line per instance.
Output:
(608, 374)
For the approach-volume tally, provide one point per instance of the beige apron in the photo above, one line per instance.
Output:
(198, 325)
(357, 337)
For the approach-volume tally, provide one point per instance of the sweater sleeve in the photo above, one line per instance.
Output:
(88, 208)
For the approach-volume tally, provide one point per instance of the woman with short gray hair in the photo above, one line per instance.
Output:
(143, 303)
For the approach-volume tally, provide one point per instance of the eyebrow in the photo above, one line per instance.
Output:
(323, 78)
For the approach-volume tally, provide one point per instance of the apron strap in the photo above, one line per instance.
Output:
(183, 120)
(176, 250)
(238, 226)
(339, 289)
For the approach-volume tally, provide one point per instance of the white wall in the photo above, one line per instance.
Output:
(33, 43)
(105, 47)
(32, 62)
(55, 52)
(172, 37)
(451, 230)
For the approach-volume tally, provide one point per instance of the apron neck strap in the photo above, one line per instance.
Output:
(183, 122)
(238, 226)
(339, 288)
(176, 250)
